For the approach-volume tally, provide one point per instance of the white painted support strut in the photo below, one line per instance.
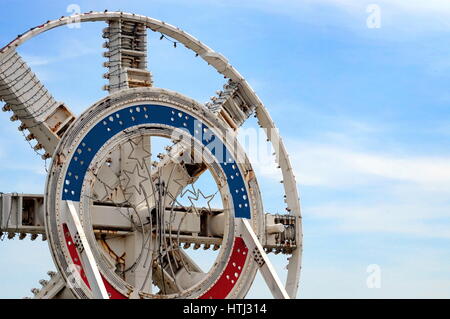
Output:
(90, 265)
(265, 266)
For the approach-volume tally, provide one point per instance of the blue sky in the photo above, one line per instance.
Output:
(363, 112)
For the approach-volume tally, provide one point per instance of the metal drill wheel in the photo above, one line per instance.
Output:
(123, 223)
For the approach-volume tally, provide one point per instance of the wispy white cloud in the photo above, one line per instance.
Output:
(68, 49)
(417, 218)
(33, 60)
(404, 15)
(351, 167)
(405, 195)
(336, 166)
(388, 191)
(404, 269)
(414, 7)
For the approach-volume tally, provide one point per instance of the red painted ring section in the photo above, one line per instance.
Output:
(226, 282)
(74, 255)
(220, 290)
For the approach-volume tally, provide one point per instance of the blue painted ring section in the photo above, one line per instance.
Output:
(150, 114)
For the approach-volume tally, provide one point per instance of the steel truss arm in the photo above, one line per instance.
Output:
(45, 119)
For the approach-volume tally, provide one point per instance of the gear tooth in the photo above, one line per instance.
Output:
(43, 282)
(6, 108)
(38, 147)
(35, 291)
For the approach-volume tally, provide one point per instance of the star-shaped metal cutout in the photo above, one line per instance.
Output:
(196, 196)
(139, 146)
(135, 179)
(107, 188)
